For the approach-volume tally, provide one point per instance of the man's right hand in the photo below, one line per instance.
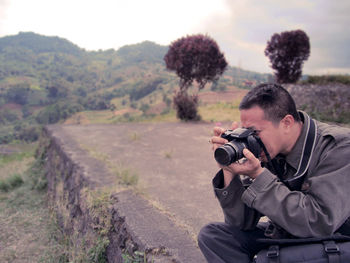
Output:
(218, 141)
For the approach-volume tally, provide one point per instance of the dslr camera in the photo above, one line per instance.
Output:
(238, 139)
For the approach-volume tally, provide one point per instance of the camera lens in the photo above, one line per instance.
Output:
(225, 154)
(229, 152)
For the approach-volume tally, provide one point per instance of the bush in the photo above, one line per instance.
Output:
(325, 79)
(7, 116)
(56, 112)
(29, 134)
(18, 94)
(186, 106)
(140, 92)
(11, 182)
(96, 103)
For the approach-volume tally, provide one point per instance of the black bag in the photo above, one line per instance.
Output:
(331, 249)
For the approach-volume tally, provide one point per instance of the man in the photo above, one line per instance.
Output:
(318, 206)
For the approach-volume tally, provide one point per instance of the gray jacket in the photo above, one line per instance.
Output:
(318, 209)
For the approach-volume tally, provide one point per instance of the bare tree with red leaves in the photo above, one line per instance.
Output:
(193, 58)
(287, 52)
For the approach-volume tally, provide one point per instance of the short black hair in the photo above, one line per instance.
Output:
(273, 99)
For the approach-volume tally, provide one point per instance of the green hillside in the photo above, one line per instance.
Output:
(47, 79)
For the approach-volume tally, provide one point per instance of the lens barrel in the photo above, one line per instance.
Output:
(224, 154)
(229, 152)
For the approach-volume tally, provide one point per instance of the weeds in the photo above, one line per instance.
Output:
(36, 174)
(98, 252)
(134, 136)
(11, 182)
(99, 203)
(136, 257)
(126, 176)
(168, 154)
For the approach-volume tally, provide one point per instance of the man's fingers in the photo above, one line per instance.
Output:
(234, 125)
(218, 131)
(248, 154)
(218, 140)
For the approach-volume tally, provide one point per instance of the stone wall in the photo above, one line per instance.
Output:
(92, 225)
(329, 102)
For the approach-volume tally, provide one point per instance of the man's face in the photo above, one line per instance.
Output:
(270, 133)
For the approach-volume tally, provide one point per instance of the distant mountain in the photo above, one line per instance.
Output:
(38, 44)
(145, 51)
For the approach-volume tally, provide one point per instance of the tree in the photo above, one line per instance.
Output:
(18, 94)
(193, 58)
(287, 52)
(196, 57)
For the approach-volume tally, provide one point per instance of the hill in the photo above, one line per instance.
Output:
(47, 79)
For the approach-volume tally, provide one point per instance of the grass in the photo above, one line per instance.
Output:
(126, 176)
(29, 232)
(220, 111)
(137, 257)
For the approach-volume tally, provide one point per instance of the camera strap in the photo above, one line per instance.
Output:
(295, 182)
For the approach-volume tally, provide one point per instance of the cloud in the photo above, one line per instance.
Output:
(109, 23)
(243, 31)
(3, 8)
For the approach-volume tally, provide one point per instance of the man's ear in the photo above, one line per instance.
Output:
(288, 122)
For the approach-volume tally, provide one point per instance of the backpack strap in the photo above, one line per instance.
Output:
(332, 250)
(330, 247)
(273, 254)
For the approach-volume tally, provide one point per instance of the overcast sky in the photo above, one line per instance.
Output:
(240, 27)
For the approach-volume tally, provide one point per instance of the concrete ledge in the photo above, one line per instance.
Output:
(136, 224)
(152, 231)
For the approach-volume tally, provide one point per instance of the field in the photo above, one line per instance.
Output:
(213, 107)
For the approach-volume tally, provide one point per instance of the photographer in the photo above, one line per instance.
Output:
(309, 203)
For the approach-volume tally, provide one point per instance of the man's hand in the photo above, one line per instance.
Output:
(250, 166)
(216, 140)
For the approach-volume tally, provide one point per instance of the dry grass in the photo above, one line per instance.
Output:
(225, 112)
(28, 231)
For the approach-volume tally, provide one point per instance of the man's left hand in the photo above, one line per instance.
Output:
(250, 167)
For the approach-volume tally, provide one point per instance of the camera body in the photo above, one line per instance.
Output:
(238, 139)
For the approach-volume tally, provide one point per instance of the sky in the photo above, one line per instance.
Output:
(240, 27)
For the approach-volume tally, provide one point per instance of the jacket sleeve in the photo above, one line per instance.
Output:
(318, 211)
(235, 211)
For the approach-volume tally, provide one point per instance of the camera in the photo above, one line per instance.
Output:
(238, 139)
